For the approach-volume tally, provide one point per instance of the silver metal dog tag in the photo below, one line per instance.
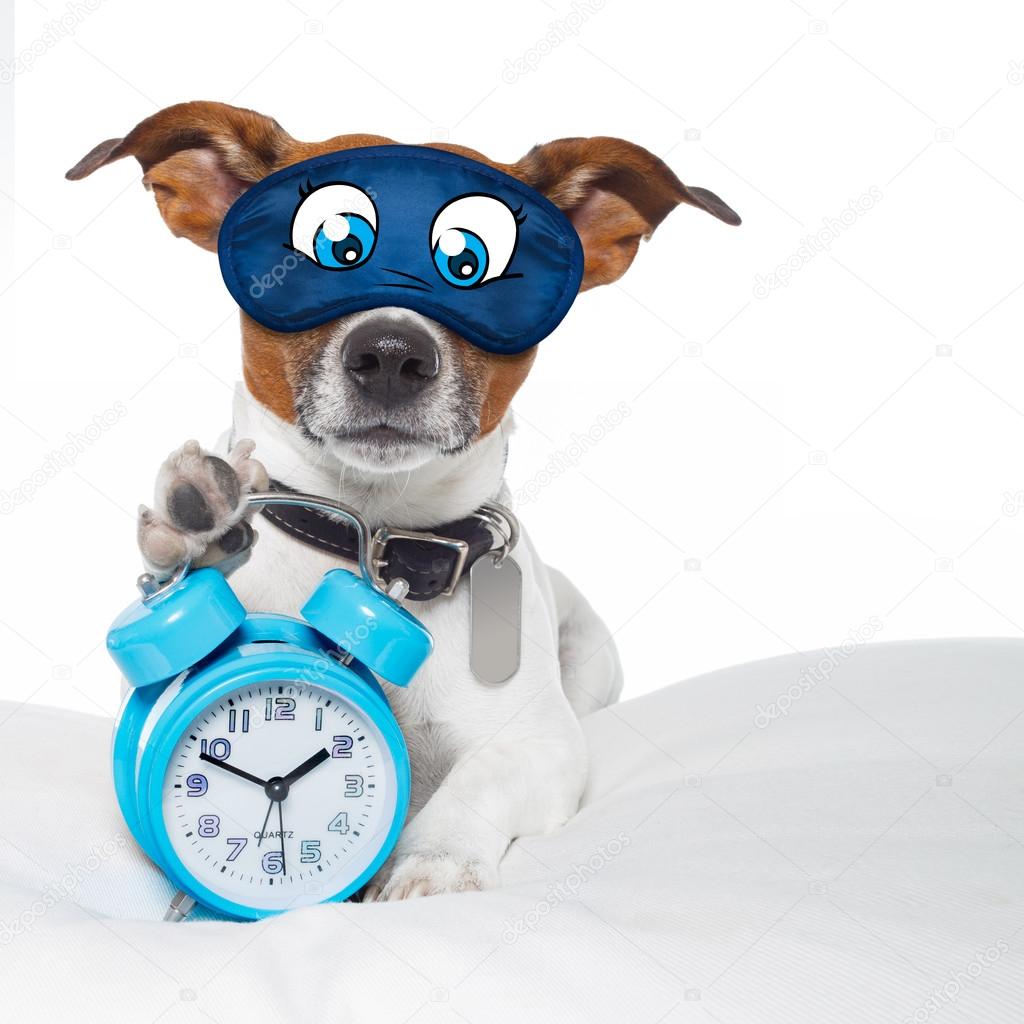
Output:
(495, 619)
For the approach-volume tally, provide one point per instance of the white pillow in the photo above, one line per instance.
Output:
(859, 857)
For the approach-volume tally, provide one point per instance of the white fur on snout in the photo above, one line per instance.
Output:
(443, 419)
(436, 491)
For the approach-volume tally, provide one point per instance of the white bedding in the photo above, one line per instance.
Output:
(860, 859)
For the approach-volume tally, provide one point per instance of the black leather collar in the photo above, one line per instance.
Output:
(431, 562)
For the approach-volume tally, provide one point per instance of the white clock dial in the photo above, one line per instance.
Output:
(314, 811)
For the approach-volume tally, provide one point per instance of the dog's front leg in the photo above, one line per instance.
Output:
(199, 512)
(511, 786)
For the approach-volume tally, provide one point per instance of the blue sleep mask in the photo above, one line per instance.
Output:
(446, 236)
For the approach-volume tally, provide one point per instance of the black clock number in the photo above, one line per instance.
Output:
(353, 785)
(342, 746)
(309, 851)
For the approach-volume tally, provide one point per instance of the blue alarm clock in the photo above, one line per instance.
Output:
(256, 760)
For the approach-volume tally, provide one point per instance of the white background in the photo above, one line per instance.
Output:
(792, 465)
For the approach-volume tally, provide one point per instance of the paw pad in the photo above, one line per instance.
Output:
(200, 513)
(188, 509)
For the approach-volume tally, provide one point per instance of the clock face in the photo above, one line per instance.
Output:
(310, 810)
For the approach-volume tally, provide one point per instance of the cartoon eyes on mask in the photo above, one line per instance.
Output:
(335, 226)
(472, 240)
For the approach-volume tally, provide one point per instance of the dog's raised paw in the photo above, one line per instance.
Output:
(199, 512)
(420, 874)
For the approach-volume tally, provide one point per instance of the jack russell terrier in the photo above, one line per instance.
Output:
(382, 404)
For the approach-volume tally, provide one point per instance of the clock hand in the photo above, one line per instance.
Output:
(307, 766)
(276, 788)
(280, 826)
(231, 768)
(263, 830)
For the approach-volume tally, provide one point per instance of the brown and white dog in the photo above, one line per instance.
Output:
(410, 450)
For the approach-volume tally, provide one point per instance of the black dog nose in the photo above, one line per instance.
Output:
(390, 362)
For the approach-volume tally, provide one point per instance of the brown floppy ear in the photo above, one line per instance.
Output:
(197, 158)
(615, 193)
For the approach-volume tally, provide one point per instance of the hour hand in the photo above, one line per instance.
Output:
(307, 766)
(231, 768)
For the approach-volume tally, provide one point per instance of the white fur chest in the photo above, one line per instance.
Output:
(445, 711)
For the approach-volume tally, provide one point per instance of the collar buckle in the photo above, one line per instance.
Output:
(385, 534)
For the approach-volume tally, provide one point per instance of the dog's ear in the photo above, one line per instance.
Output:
(615, 193)
(197, 158)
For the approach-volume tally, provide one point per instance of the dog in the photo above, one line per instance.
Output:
(397, 415)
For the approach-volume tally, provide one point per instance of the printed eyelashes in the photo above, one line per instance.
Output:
(304, 190)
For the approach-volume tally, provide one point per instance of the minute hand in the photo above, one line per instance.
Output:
(307, 766)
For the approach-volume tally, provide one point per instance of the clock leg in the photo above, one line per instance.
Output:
(180, 907)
